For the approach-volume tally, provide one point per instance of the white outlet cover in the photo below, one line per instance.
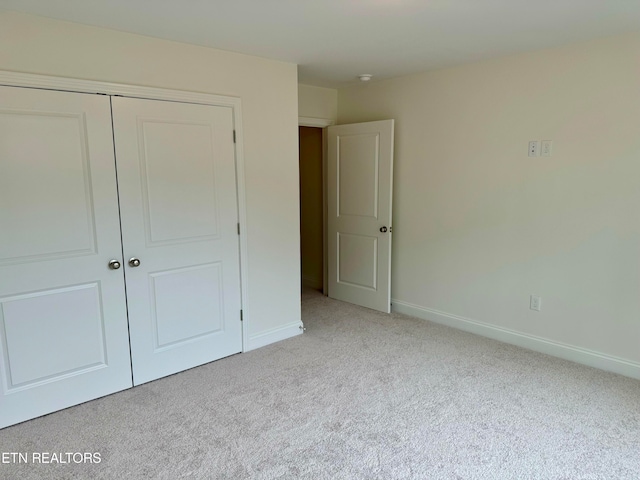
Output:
(534, 148)
(545, 150)
(535, 303)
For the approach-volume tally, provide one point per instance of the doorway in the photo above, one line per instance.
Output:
(311, 207)
(346, 178)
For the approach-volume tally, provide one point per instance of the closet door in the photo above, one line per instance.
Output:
(63, 319)
(177, 184)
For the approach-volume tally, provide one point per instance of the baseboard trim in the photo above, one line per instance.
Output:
(274, 335)
(568, 352)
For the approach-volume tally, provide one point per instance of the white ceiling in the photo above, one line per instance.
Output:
(335, 40)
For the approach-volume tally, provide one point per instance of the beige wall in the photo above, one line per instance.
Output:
(317, 102)
(479, 226)
(311, 206)
(268, 90)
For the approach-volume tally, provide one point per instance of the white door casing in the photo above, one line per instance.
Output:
(179, 213)
(63, 324)
(359, 190)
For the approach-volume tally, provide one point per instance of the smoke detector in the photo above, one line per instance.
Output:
(365, 77)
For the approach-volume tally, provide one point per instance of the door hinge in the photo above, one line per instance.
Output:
(241, 318)
(234, 136)
(238, 229)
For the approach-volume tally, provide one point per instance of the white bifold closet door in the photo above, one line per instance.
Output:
(109, 262)
(178, 207)
(63, 319)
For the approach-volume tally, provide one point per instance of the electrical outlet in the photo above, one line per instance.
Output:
(535, 303)
(545, 150)
(534, 146)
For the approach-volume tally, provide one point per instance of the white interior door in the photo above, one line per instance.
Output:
(178, 203)
(359, 190)
(63, 322)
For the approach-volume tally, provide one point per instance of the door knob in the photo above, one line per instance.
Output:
(134, 262)
(383, 229)
(114, 264)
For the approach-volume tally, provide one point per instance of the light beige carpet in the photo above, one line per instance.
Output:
(360, 395)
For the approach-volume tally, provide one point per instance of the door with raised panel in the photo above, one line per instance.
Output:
(177, 187)
(359, 189)
(63, 321)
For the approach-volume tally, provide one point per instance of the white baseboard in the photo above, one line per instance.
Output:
(531, 342)
(273, 335)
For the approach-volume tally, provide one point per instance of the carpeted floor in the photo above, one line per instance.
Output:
(359, 395)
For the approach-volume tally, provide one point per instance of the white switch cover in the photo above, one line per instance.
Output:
(533, 148)
(546, 148)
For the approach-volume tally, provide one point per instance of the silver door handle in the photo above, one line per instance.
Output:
(383, 229)
(114, 264)
(134, 262)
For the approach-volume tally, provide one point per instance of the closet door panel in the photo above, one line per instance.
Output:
(63, 322)
(177, 184)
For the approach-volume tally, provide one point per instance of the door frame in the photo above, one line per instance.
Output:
(322, 123)
(29, 80)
